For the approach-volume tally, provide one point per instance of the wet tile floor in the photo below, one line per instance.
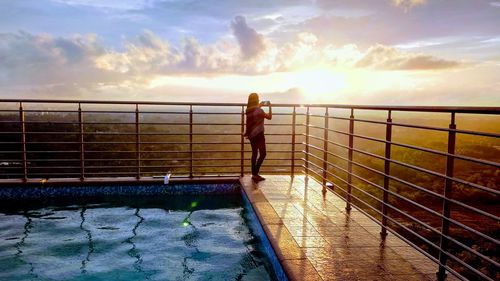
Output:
(315, 238)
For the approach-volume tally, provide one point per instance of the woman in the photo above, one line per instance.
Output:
(255, 132)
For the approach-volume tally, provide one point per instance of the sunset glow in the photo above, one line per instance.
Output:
(370, 52)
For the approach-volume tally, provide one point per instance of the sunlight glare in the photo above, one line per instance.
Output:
(320, 83)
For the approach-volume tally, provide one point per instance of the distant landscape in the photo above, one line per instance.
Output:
(165, 149)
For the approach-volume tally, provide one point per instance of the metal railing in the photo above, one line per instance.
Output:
(85, 139)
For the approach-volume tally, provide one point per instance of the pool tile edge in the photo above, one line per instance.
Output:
(291, 257)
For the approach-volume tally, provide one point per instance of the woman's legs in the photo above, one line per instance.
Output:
(253, 143)
(262, 154)
(258, 144)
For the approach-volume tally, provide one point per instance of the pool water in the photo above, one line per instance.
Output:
(129, 238)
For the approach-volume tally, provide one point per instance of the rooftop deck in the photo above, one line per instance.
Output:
(426, 181)
(315, 238)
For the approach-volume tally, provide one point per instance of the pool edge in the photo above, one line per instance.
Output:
(256, 225)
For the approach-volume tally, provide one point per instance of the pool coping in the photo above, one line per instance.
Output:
(285, 248)
(115, 181)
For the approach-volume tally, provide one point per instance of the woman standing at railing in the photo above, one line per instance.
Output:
(255, 132)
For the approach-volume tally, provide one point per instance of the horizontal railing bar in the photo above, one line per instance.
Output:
(479, 211)
(107, 173)
(53, 160)
(141, 123)
(125, 142)
(378, 222)
(173, 159)
(358, 120)
(441, 153)
(383, 174)
(52, 133)
(485, 134)
(356, 135)
(456, 109)
(133, 112)
(52, 151)
(156, 166)
(53, 167)
(40, 110)
(58, 173)
(142, 134)
(394, 208)
(468, 228)
(401, 225)
(380, 213)
(390, 205)
(417, 204)
(183, 151)
(483, 188)
(461, 157)
(199, 159)
(42, 142)
(382, 189)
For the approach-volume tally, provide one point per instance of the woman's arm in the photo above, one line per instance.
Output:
(269, 115)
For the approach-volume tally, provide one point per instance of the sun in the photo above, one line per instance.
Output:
(319, 83)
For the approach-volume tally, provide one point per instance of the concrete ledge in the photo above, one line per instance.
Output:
(315, 238)
(114, 181)
(292, 258)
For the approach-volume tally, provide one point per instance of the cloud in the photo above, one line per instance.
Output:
(390, 58)
(149, 55)
(408, 4)
(110, 4)
(27, 59)
(251, 43)
(29, 62)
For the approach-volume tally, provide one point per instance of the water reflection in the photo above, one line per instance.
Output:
(20, 244)
(141, 244)
(133, 251)
(190, 239)
(90, 243)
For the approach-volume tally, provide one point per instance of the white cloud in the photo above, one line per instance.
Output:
(82, 61)
(251, 43)
(408, 4)
(390, 58)
(110, 4)
(27, 59)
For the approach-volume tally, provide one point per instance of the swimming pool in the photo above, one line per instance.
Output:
(130, 237)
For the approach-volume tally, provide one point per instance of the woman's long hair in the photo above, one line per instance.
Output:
(253, 100)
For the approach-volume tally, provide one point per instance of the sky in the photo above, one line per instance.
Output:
(394, 52)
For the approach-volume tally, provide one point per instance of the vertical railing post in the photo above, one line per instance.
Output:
(137, 143)
(191, 141)
(387, 171)
(307, 142)
(292, 171)
(349, 164)
(22, 122)
(81, 140)
(242, 146)
(448, 184)
(325, 149)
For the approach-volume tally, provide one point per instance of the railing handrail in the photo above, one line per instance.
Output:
(416, 108)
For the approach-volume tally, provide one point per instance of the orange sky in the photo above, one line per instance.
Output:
(422, 52)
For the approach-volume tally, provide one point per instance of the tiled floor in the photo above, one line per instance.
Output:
(316, 239)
